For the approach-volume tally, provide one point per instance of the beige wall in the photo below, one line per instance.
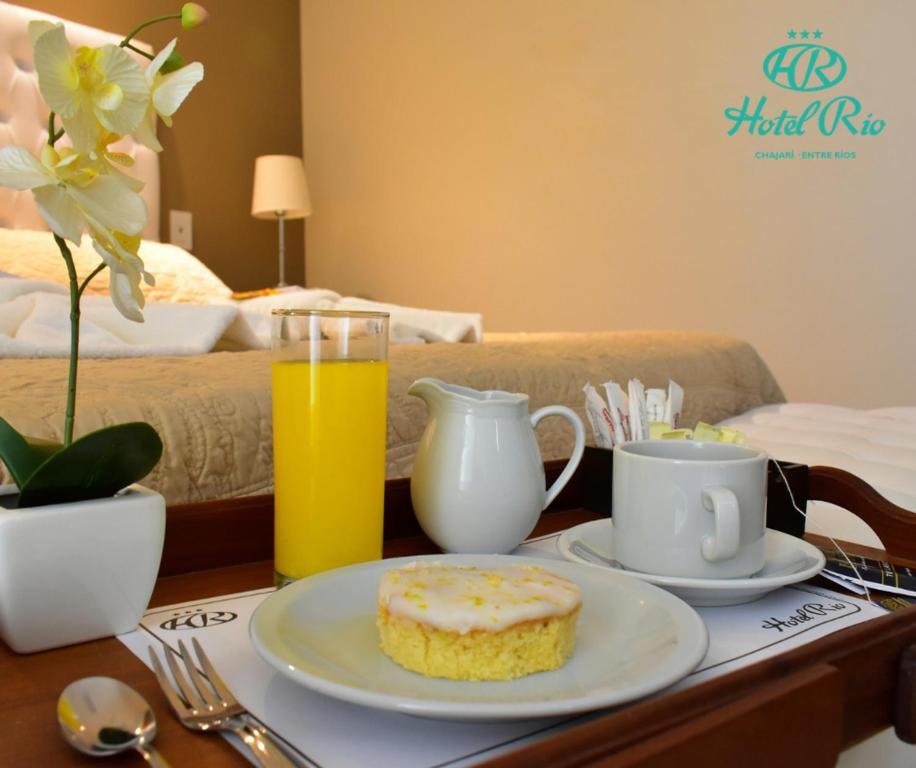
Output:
(565, 165)
(248, 105)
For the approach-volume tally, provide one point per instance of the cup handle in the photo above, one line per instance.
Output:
(723, 544)
(570, 415)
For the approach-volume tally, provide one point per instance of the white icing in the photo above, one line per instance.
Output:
(462, 598)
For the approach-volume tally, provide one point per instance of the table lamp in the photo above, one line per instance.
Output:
(280, 192)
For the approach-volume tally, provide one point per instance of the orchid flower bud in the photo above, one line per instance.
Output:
(193, 15)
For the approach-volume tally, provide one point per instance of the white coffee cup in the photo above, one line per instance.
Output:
(690, 509)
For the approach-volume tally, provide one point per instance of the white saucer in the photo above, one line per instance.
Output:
(788, 561)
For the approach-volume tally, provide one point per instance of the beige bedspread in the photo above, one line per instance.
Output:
(213, 411)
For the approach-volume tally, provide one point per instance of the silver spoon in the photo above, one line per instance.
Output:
(587, 553)
(100, 716)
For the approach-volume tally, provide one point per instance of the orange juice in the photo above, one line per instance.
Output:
(329, 463)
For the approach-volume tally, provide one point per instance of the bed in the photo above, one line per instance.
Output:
(213, 411)
(877, 445)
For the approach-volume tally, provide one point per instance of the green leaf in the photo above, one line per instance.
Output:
(43, 448)
(95, 466)
(23, 455)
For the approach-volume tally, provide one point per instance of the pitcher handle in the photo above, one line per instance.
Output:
(570, 415)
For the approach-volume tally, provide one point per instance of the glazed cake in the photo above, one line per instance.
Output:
(467, 623)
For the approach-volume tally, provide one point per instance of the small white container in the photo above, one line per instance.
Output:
(478, 479)
(79, 571)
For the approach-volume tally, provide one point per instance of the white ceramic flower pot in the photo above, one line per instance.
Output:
(76, 572)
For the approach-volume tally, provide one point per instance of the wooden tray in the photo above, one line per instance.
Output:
(799, 708)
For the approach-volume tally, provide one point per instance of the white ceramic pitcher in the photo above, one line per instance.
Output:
(478, 479)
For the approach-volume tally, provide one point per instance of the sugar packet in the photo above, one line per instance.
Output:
(598, 417)
(656, 402)
(639, 419)
(674, 404)
(620, 411)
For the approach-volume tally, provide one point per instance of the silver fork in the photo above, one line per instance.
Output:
(206, 704)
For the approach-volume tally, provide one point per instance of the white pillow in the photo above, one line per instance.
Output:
(180, 276)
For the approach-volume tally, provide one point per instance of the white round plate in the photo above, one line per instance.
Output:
(788, 561)
(632, 639)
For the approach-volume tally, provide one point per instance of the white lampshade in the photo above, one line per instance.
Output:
(279, 185)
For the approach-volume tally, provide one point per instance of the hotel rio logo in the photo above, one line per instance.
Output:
(805, 65)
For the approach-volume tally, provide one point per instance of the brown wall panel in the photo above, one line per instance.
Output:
(248, 105)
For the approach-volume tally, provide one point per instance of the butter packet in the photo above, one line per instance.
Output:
(704, 431)
(678, 434)
(729, 435)
(658, 429)
(708, 432)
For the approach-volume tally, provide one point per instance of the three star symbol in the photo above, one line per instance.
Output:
(805, 34)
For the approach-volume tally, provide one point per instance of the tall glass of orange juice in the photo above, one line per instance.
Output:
(330, 392)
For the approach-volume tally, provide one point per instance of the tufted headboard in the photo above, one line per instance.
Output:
(24, 116)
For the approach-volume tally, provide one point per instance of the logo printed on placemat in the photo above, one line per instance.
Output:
(198, 619)
(809, 612)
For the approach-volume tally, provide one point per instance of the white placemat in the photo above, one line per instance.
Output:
(327, 733)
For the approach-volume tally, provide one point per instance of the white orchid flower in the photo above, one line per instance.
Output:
(92, 89)
(106, 160)
(125, 270)
(167, 93)
(75, 191)
(71, 193)
(100, 94)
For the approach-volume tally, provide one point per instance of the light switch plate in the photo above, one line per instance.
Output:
(180, 229)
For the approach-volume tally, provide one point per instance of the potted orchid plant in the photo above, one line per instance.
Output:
(109, 552)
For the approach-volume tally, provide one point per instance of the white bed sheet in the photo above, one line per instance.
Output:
(877, 445)
(34, 322)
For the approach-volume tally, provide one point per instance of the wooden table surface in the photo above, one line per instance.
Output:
(30, 684)
(29, 733)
